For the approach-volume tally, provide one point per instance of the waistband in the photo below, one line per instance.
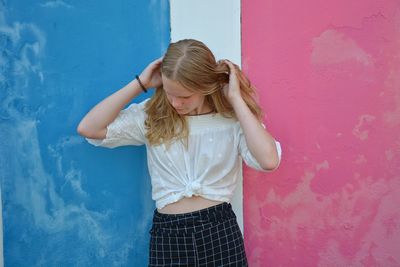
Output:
(192, 221)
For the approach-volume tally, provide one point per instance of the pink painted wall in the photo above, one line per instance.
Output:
(328, 74)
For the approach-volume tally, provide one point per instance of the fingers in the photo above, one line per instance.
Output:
(231, 65)
(159, 60)
(151, 72)
(155, 64)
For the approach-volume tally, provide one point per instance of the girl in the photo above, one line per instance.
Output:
(197, 127)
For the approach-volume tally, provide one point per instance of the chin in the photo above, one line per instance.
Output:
(181, 111)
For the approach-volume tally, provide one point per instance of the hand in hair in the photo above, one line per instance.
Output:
(260, 142)
(232, 89)
(151, 75)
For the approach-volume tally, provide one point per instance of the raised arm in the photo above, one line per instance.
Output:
(259, 141)
(94, 124)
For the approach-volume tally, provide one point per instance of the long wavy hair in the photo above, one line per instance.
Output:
(193, 65)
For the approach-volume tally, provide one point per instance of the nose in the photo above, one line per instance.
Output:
(176, 103)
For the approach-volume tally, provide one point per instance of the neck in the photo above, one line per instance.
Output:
(202, 109)
(198, 114)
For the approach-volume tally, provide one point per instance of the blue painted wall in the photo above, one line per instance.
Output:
(65, 202)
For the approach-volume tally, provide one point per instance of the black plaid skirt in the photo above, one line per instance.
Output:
(208, 237)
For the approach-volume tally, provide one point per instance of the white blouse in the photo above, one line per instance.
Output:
(210, 167)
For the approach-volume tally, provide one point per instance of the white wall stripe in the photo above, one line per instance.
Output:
(217, 24)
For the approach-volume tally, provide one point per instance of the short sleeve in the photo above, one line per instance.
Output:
(126, 129)
(248, 158)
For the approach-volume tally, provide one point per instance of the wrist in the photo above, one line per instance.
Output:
(236, 101)
(141, 84)
(134, 87)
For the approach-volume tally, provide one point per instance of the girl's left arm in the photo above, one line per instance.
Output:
(259, 141)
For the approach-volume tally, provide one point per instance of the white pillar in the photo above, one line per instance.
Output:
(217, 24)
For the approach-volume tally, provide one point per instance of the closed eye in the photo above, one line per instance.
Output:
(183, 97)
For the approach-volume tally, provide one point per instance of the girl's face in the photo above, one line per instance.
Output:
(185, 102)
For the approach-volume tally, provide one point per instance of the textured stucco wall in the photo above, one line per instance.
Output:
(328, 74)
(65, 202)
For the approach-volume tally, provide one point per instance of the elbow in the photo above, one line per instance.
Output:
(270, 165)
(90, 133)
(272, 159)
(81, 130)
(84, 131)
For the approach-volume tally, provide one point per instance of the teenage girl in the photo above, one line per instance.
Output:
(199, 125)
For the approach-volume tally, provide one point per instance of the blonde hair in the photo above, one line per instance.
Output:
(193, 65)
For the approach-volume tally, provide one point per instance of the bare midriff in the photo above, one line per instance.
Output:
(188, 204)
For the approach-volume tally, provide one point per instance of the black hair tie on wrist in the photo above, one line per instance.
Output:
(141, 84)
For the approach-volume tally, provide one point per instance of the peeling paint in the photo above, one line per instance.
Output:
(334, 47)
(362, 122)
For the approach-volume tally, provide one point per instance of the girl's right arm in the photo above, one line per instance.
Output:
(94, 124)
